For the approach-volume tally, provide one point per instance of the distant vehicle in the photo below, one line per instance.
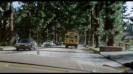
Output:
(48, 44)
(71, 39)
(25, 44)
(59, 43)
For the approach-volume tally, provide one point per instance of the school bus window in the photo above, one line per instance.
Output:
(66, 36)
(76, 37)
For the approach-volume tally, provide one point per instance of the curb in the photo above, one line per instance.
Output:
(95, 50)
(1, 49)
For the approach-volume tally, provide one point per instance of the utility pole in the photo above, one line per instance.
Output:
(47, 35)
(85, 37)
(38, 52)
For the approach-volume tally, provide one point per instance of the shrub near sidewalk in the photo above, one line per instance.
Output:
(1, 49)
(3, 43)
(6, 46)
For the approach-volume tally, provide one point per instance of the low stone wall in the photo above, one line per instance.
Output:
(125, 46)
(110, 48)
(1, 49)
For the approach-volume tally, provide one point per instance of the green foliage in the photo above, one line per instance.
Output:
(61, 16)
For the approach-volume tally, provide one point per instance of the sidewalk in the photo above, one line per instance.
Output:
(6, 48)
(122, 57)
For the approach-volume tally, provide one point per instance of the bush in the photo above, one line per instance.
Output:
(3, 43)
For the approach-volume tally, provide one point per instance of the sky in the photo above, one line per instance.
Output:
(16, 4)
(129, 5)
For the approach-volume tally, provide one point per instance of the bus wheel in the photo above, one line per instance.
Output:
(17, 49)
(66, 46)
(76, 46)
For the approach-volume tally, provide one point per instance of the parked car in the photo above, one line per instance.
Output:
(48, 44)
(59, 43)
(26, 44)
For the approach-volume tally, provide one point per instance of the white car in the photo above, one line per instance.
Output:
(26, 44)
(48, 44)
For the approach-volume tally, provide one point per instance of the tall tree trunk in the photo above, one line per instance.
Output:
(86, 39)
(96, 40)
(111, 41)
(92, 30)
(109, 27)
(96, 21)
(13, 36)
(89, 38)
(7, 25)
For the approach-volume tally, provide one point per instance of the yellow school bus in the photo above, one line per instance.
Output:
(71, 39)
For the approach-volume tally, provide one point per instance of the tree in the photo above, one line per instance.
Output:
(52, 19)
(113, 21)
(6, 25)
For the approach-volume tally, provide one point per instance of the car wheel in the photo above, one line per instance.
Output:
(33, 48)
(66, 46)
(22, 49)
(17, 49)
(76, 46)
(26, 49)
(29, 49)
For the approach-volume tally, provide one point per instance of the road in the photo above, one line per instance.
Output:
(69, 58)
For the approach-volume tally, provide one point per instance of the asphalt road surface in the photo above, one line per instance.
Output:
(70, 58)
